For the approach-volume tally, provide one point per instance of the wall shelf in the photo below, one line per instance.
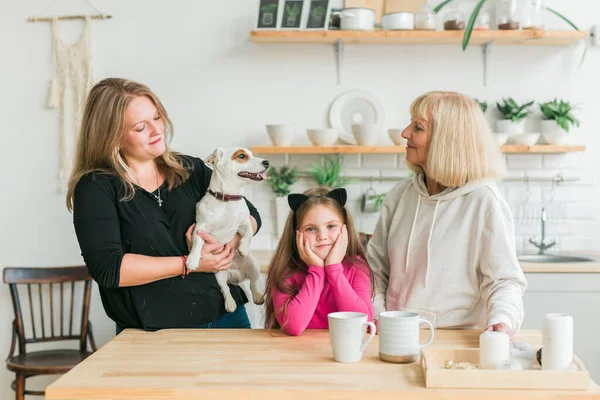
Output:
(339, 38)
(350, 149)
(524, 37)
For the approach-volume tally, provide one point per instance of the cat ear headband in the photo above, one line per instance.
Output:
(295, 200)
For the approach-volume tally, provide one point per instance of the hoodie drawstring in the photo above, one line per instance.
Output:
(437, 203)
(411, 233)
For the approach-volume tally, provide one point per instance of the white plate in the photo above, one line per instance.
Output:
(355, 107)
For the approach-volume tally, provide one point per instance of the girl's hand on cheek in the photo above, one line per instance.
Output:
(338, 251)
(305, 252)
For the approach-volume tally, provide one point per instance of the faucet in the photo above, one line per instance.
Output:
(541, 245)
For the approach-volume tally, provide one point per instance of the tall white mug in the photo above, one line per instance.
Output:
(347, 332)
(399, 336)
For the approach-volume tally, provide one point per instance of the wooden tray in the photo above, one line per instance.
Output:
(436, 376)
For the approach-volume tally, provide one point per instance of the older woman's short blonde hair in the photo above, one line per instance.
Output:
(461, 146)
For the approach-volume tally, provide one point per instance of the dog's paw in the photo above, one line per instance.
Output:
(192, 262)
(243, 251)
(230, 304)
(258, 298)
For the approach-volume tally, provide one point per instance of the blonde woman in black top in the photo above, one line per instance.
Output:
(133, 202)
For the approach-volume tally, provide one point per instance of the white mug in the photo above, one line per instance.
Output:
(399, 336)
(347, 333)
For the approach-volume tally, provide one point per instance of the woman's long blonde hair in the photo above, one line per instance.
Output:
(286, 261)
(461, 146)
(101, 132)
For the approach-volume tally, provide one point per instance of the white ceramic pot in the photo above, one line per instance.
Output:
(525, 139)
(322, 137)
(550, 126)
(510, 127)
(366, 134)
(396, 136)
(554, 133)
(398, 21)
(281, 135)
(357, 18)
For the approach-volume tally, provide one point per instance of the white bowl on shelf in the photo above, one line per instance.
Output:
(525, 139)
(322, 136)
(557, 138)
(281, 134)
(500, 138)
(396, 136)
(366, 134)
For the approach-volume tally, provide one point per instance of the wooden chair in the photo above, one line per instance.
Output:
(47, 362)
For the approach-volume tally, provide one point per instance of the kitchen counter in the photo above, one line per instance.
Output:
(264, 257)
(256, 364)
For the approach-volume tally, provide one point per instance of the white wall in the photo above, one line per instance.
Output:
(220, 89)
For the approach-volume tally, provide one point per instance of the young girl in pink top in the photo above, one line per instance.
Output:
(319, 266)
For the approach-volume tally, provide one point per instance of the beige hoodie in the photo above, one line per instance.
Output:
(450, 257)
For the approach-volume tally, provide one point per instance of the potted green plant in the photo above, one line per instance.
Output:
(513, 116)
(483, 105)
(478, 6)
(280, 180)
(328, 174)
(557, 118)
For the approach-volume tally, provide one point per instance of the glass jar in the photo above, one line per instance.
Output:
(533, 14)
(425, 19)
(482, 23)
(454, 19)
(508, 14)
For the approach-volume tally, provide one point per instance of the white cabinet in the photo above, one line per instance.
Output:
(576, 294)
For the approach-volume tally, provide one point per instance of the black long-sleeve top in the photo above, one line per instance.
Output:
(107, 228)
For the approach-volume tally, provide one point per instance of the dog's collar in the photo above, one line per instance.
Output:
(225, 197)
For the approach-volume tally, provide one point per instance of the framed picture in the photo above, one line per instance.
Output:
(318, 15)
(292, 14)
(267, 14)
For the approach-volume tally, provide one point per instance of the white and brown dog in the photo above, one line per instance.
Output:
(222, 213)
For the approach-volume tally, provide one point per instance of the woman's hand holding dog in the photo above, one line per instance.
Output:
(338, 251)
(215, 256)
(305, 252)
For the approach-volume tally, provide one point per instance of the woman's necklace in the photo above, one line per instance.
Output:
(155, 196)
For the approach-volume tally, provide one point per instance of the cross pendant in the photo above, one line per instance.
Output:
(159, 202)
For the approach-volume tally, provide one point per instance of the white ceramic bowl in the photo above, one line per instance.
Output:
(322, 136)
(366, 134)
(281, 134)
(525, 139)
(396, 136)
(398, 21)
(557, 138)
(500, 138)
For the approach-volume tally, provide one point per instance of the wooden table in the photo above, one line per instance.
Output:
(252, 364)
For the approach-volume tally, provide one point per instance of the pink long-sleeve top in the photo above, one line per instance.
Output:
(336, 287)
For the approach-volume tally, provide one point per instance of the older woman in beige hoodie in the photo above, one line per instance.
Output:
(444, 246)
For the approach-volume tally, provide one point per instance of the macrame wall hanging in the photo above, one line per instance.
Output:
(72, 79)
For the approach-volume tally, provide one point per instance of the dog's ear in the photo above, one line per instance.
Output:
(214, 157)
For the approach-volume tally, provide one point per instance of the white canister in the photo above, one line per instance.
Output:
(398, 21)
(357, 18)
(557, 342)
